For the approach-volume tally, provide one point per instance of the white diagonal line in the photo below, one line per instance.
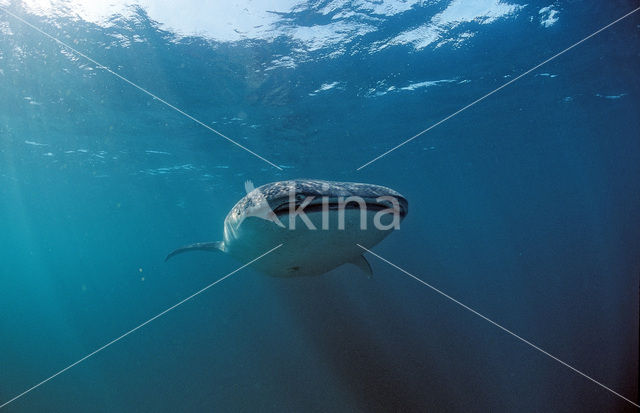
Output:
(101, 66)
(466, 307)
(497, 89)
(138, 327)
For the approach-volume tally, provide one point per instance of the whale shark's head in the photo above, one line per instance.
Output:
(315, 226)
(365, 215)
(303, 197)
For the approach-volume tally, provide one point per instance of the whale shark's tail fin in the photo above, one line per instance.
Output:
(202, 246)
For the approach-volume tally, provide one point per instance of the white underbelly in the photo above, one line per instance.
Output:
(306, 251)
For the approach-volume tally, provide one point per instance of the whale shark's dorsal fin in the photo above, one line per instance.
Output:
(202, 246)
(362, 263)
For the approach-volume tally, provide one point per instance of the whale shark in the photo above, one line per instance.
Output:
(319, 224)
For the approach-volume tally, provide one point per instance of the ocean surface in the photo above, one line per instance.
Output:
(525, 207)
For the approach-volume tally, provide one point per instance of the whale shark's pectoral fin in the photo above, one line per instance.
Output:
(362, 263)
(202, 246)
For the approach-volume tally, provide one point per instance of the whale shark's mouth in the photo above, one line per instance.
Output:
(325, 205)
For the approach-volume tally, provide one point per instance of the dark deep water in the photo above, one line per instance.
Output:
(525, 207)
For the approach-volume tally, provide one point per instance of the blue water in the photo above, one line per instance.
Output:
(525, 207)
